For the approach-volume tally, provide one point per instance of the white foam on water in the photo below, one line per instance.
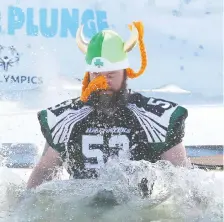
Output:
(179, 194)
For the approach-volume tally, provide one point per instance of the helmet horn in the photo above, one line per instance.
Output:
(81, 42)
(129, 44)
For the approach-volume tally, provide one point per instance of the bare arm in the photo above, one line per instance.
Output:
(44, 170)
(177, 156)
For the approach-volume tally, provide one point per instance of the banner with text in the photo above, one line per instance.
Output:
(37, 41)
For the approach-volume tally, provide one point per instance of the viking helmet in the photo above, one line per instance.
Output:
(107, 51)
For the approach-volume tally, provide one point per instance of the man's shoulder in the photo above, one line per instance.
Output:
(62, 111)
(155, 105)
(70, 104)
(162, 120)
(55, 121)
(164, 112)
(141, 100)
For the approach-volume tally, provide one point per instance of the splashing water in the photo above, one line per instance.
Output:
(179, 194)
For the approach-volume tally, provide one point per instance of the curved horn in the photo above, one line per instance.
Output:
(82, 44)
(129, 44)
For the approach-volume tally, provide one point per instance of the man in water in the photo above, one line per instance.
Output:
(108, 120)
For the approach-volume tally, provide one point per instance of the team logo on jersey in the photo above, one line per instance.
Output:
(114, 130)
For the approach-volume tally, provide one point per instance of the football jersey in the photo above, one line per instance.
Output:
(141, 130)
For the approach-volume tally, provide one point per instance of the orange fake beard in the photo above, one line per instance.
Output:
(99, 83)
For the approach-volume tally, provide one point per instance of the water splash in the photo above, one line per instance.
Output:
(179, 194)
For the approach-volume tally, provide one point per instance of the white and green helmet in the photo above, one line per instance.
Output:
(106, 51)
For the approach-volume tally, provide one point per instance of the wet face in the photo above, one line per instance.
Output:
(114, 79)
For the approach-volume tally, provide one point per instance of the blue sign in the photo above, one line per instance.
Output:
(63, 22)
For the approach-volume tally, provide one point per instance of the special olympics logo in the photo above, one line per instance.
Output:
(8, 57)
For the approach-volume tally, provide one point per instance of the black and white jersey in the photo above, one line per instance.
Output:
(142, 130)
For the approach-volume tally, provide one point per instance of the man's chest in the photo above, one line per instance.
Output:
(100, 139)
